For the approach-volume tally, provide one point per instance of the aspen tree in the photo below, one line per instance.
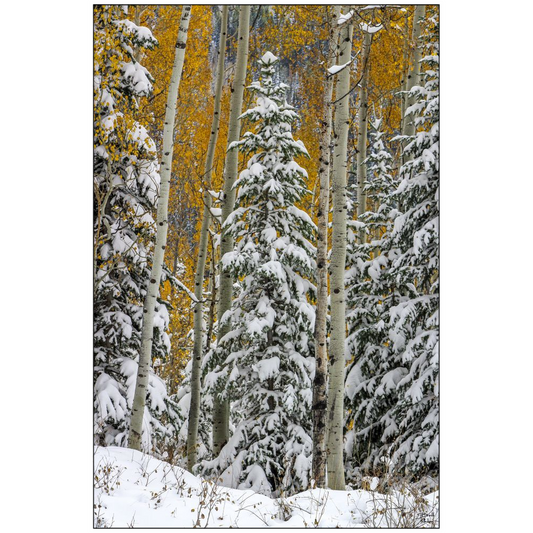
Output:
(335, 464)
(138, 52)
(362, 130)
(221, 405)
(413, 78)
(321, 356)
(139, 400)
(194, 411)
(405, 70)
(212, 292)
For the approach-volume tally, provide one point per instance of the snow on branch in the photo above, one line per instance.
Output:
(335, 69)
(345, 18)
(181, 285)
(368, 28)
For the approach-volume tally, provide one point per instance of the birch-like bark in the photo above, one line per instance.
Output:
(362, 130)
(221, 407)
(405, 71)
(213, 297)
(334, 450)
(414, 74)
(194, 411)
(137, 54)
(321, 355)
(139, 399)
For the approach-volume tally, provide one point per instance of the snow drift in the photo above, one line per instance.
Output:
(133, 489)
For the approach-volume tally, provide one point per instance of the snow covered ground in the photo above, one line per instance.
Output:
(136, 490)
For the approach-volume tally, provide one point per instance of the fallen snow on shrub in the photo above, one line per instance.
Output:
(133, 489)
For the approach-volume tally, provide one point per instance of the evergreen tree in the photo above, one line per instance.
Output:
(126, 182)
(269, 347)
(392, 385)
(414, 254)
(369, 395)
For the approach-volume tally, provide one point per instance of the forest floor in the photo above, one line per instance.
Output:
(133, 489)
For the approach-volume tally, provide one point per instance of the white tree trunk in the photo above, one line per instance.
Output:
(405, 71)
(362, 131)
(335, 462)
(321, 355)
(213, 294)
(221, 407)
(139, 10)
(414, 74)
(139, 400)
(194, 411)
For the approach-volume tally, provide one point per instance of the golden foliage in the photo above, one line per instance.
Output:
(298, 35)
(193, 125)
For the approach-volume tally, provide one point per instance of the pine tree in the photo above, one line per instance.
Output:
(269, 362)
(414, 254)
(392, 385)
(126, 182)
(369, 395)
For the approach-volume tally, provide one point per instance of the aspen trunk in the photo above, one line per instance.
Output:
(414, 73)
(221, 407)
(139, 400)
(176, 255)
(335, 462)
(321, 355)
(194, 411)
(405, 71)
(137, 54)
(362, 131)
(213, 297)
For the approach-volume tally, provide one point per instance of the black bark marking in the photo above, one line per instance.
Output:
(320, 406)
(319, 377)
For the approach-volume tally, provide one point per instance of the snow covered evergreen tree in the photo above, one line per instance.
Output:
(126, 182)
(393, 384)
(269, 360)
(414, 253)
(369, 395)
